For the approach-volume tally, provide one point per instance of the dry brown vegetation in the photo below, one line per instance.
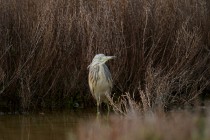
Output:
(46, 46)
(174, 126)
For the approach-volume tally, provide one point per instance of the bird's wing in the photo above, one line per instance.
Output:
(90, 82)
(108, 76)
(93, 78)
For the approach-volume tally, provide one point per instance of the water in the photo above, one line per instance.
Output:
(38, 126)
(66, 125)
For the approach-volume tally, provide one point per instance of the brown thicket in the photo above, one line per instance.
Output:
(46, 46)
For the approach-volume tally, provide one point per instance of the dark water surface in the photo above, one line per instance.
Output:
(41, 126)
(65, 125)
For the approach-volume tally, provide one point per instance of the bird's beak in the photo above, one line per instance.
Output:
(110, 57)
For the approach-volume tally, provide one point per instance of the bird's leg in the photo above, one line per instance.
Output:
(108, 108)
(98, 106)
(107, 102)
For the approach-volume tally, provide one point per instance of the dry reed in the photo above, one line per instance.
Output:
(175, 125)
(46, 46)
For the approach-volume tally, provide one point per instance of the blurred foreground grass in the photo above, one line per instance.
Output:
(85, 125)
(178, 125)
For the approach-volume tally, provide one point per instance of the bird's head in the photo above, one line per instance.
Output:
(100, 59)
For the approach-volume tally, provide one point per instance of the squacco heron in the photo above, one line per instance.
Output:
(100, 79)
